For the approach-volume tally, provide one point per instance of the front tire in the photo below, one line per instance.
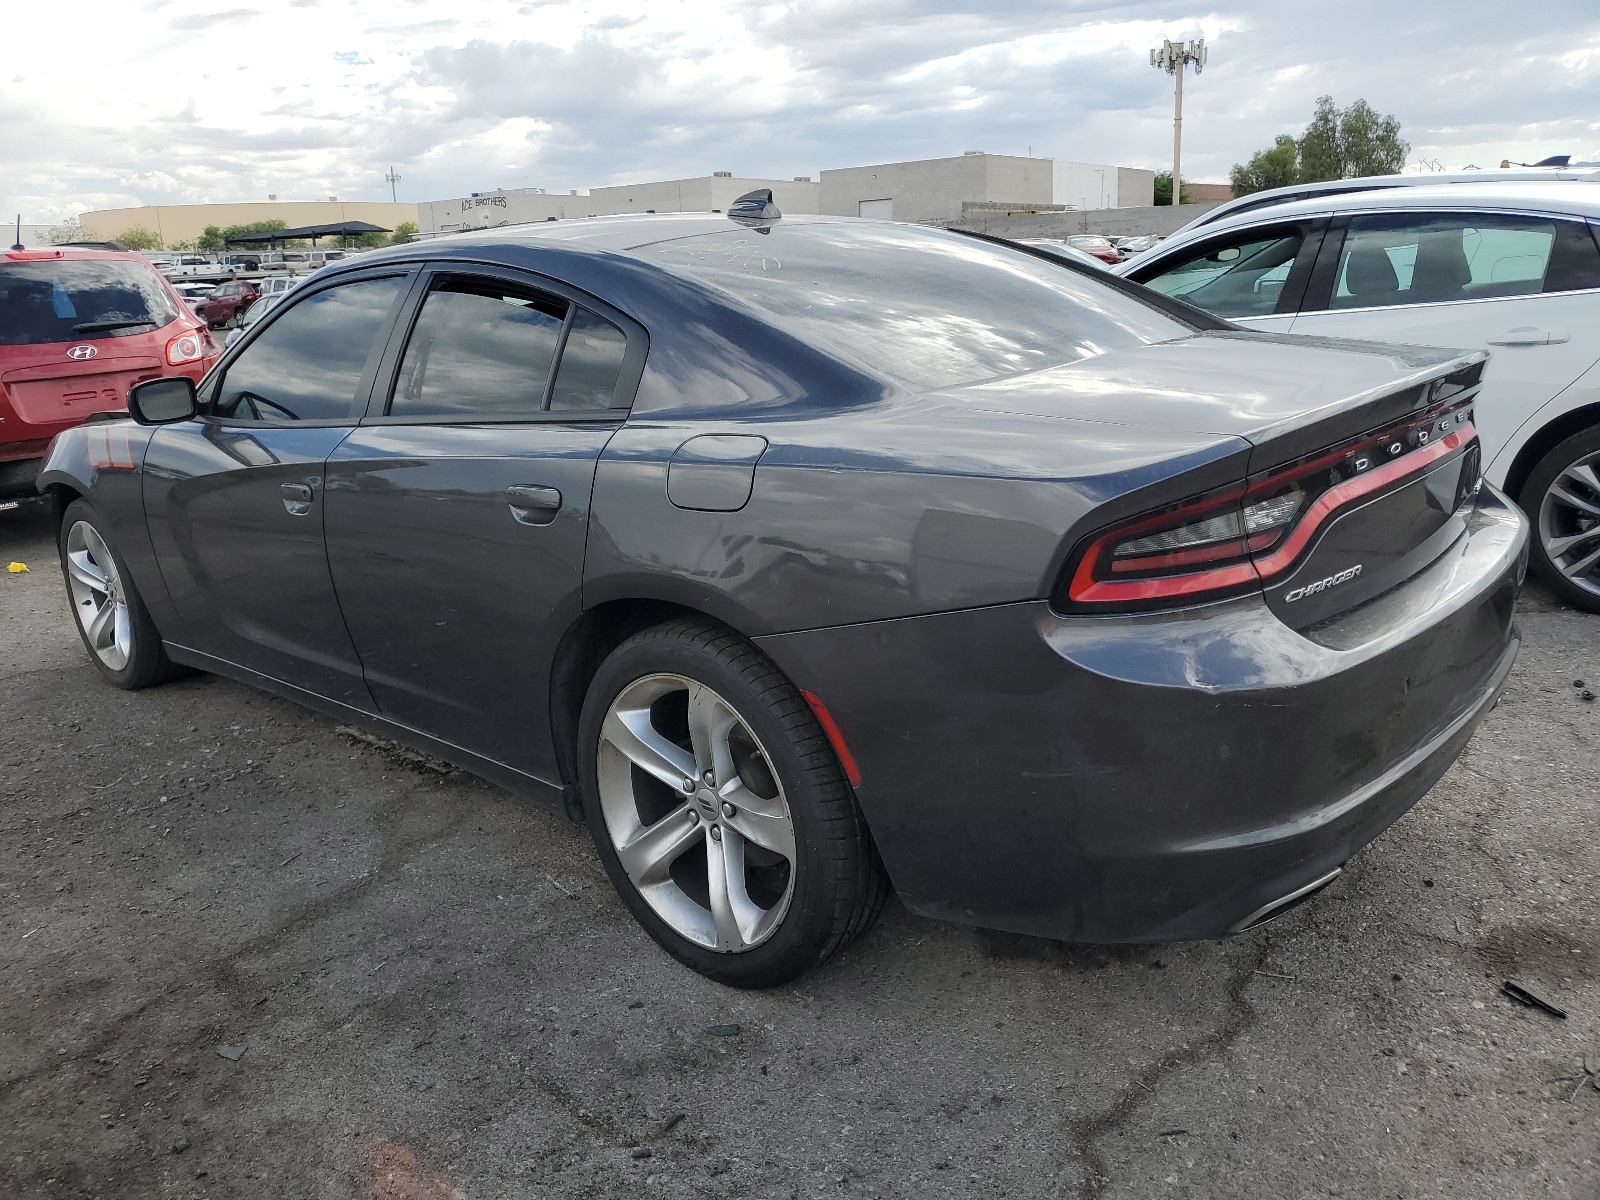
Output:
(1562, 499)
(719, 808)
(111, 617)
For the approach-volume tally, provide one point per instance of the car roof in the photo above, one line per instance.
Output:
(1570, 199)
(626, 231)
(60, 253)
(1579, 173)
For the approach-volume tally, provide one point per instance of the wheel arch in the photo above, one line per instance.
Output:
(60, 492)
(1544, 440)
(584, 645)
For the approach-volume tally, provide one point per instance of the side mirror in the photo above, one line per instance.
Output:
(162, 401)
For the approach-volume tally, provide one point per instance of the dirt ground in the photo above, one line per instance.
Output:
(247, 955)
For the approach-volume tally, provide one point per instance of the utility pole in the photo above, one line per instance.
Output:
(1171, 58)
(392, 179)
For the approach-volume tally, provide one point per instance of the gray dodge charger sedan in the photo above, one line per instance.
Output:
(803, 558)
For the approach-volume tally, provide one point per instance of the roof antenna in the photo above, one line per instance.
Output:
(754, 210)
(19, 245)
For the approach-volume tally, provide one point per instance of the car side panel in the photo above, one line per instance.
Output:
(874, 515)
(103, 462)
(1584, 393)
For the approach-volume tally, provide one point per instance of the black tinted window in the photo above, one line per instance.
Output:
(590, 364)
(927, 309)
(479, 349)
(307, 365)
(66, 300)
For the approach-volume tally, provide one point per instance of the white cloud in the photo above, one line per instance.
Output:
(307, 99)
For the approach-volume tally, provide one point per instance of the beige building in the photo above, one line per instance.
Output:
(936, 189)
(186, 222)
(706, 193)
(484, 210)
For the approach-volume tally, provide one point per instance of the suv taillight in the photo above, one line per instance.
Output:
(1234, 540)
(187, 347)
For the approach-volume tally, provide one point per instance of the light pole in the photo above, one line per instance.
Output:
(1171, 58)
(392, 179)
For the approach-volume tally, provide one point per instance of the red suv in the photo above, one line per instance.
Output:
(228, 302)
(76, 328)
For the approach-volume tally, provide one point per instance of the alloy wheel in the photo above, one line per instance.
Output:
(695, 812)
(1569, 522)
(97, 596)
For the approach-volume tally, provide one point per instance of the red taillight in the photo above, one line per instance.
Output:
(187, 347)
(1231, 541)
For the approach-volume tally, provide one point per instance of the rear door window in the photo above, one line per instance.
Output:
(312, 362)
(482, 349)
(1432, 258)
(479, 349)
(1240, 276)
(67, 300)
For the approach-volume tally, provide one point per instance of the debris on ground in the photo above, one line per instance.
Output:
(724, 1030)
(17, 568)
(643, 1152)
(1523, 996)
(231, 1053)
(400, 755)
(1586, 1075)
(671, 1123)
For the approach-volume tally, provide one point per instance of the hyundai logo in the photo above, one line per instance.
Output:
(82, 353)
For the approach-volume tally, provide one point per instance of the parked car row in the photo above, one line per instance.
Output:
(757, 486)
(796, 556)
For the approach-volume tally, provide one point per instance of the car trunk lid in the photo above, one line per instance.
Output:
(1362, 457)
(66, 391)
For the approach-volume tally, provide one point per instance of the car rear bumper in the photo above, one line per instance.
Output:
(1162, 776)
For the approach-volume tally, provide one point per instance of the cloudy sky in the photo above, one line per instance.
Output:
(108, 104)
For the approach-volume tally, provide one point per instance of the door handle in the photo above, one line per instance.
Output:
(534, 505)
(296, 498)
(1529, 337)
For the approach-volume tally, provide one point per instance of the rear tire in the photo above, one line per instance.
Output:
(110, 614)
(1562, 499)
(701, 764)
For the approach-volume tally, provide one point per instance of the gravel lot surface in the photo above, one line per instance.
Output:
(247, 955)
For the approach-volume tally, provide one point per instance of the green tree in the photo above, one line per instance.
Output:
(403, 233)
(1164, 189)
(68, 231)
(210, 238)
(138, 238)
(1277, 167)
(1351, 144)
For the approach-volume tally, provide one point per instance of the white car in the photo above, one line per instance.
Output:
(1511, 267)
(1327, 189)
(264, 304)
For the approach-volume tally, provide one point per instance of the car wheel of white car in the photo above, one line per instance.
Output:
(1562, 498)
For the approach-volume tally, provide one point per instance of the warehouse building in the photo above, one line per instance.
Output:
(944, 189)
(174, 223)
(705, 193)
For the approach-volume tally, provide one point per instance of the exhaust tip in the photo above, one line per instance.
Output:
(1276, 908)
